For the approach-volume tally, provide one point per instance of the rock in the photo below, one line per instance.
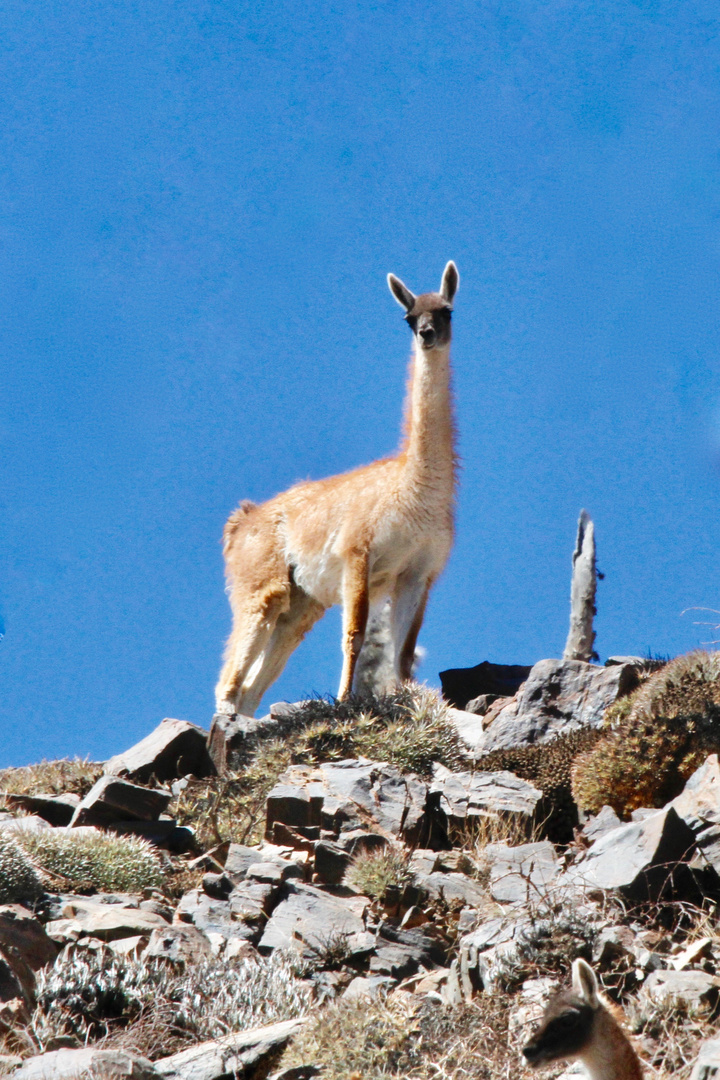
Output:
(400, 953)
(112, 799)
(174, 749)
(643, 859)
(108, 921)
(481, 703)
(242, 916)
(17, 979)
(707, 1065)
(21, 930)
(454, 889)
(694, 952)
(521, 874)
(27, 823)
(86, 1064)
(470, 729)
(693, 990)
(465, 796)
(331, 862)
(369, 987)
(234, 737)
(345, 794)
(482, 951)
(179, 943)
(313, 918)
(460, 685)
(558, 696)
(232, 1056)
(602, 823)
(55, 809)
(612, 943)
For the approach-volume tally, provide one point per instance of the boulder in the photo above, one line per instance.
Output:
(180, 943)
(351, 794)
(55, 809)
(88, 1063)
(521, 874)
(311, 917)
(234, 737)
(174, 749)
(694, 990)
(22, 931)
(243, 915)
(461, 685)
(231, 1056)
(113, 800)
(707, 1065)
(643, 859)
(465, 796)
(558, 696)
(105, 921)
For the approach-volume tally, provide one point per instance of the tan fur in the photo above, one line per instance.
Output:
(583, 1025)
(381, 530)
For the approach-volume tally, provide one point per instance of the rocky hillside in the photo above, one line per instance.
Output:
(386, 887)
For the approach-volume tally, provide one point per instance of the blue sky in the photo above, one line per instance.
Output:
(199, 203)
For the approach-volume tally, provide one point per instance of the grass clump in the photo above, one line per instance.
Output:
(64, 776)
(653, 740)
(101, 861)
(19, 878)
(157, 1008)
(378, 874)
(379, 1039)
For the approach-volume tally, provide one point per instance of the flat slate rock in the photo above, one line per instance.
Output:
(233, 737)
(558, 696)
(86, 1064)
(57, 810)
(692, 989)
(108, 921)
(113, 799)
(232, 1056)
(643, 859)
(522, 873)
(174, 749)
(465, 795)
(707, 1065)
(349, 794)
(310, 916)
(23, 931)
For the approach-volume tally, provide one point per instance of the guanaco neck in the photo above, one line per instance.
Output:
(429, 447)
(609, 1055)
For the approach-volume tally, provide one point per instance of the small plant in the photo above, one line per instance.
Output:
(653, 740)
(377, 873)
(19, 878)
(155, 1007)
(101, 861)
(51, 777)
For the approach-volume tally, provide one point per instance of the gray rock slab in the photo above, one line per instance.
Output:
(113, 799)
(349, 794)
(522, 873)
(179, 942)
(86, 1064)
(469, 727)
(232, 1056)
(111, 921)
(311, 916)
(174, 749)
(454, 889)
(22, 931)
(233, 738)
(218, 917)
(694, 989)
(559, 696)
(641, 858)
(707, 1065)
(55, 809)
(466, 795)
(603, 822)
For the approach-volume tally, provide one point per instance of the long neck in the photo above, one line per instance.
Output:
(429, 447)
(610, 1055)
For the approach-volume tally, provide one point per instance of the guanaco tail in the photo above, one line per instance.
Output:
(382, 530)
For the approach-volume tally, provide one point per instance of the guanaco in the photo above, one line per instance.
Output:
(382, 530)
(580, 1024)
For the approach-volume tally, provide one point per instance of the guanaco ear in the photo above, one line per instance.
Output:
(450, 282)
(401, 292)
(584, 982)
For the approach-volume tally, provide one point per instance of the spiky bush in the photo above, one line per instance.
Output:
(19, 879)
(376, 873)
(87, 996)
(654, 739)
(101, 860)
(51, 777)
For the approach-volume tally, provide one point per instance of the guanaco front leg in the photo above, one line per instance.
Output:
(356, 607)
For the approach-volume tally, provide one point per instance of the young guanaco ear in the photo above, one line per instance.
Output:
(450, 282)
(584, 983)
(401, 292)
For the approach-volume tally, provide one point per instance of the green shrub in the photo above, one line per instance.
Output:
(653, 740)
(375, 873)
(103, 861)
(19, 879)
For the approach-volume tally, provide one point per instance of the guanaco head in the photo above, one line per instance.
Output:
(567, 1024)
(428, 315)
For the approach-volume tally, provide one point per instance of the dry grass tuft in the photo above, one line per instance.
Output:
(51, 777)
(377, 873)
(374, 1040)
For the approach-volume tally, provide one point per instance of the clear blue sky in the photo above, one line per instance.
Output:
(199, 204)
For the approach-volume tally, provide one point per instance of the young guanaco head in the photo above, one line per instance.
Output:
(428, 315)
(578, 1025)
